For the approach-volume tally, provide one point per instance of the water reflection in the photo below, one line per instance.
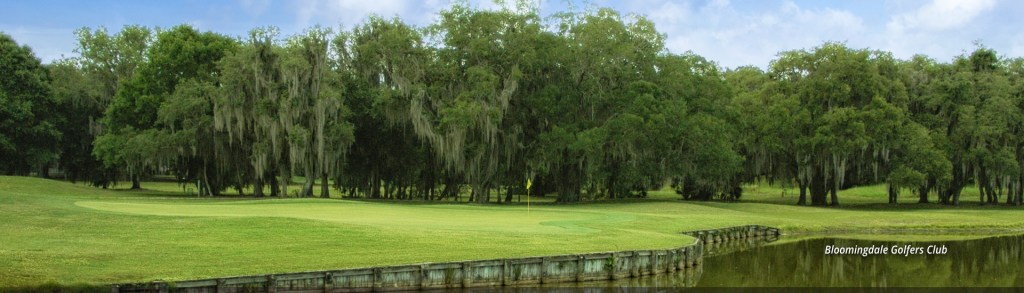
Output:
(988, 262)
(684, 278)
(722, 248)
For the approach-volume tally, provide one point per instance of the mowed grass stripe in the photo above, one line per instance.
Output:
(392, 216)
(66, 233)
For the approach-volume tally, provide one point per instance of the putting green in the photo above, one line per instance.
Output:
(385, 216)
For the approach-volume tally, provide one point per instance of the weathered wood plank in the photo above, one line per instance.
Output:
(494, 272)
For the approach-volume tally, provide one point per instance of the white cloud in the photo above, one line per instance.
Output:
(353, 12)
(254, 7)
(349, 12)
(731, 37)
(48, 44)
(718, 4)
(940, 29)
(940, 15)
(671, 13)
(1016, 46)
(732, 33)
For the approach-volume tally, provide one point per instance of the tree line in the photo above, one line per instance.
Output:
(587, 104)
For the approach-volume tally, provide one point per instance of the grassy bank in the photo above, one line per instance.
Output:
(60, 232)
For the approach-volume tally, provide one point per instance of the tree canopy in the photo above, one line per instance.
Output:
(28, 126)
(586, 104)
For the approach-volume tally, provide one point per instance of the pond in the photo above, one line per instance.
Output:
(986, 262)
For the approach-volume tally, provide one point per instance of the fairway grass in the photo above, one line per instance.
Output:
(59, 232)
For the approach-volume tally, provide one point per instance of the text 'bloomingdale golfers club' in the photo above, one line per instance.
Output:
(903, 249)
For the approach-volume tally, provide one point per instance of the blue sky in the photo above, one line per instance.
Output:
(732, 33)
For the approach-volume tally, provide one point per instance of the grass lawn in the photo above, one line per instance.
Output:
(53, 231)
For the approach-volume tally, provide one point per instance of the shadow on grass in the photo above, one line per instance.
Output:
(910, 205)
(549, 200)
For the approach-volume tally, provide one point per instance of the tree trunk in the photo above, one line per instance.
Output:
(325, 190)
(135, 182)
(998, 190)
(946, 194)
(44, 171)
(838, 171)
(1020, 191)
(508, 194)
(257, 188)
(206, 180)
(956, 198)
(483, 195)
(819, 189)
(982, 182)
(951, 196)
(803, 192)
(570, 183)
(993, 197)
(374, 187)
(892, 194)
(275, 190)
(1009, 193)
(284, 178)
(613, 180)
(450, 190)
(307, 187)
(923, 193)
(833, 191)
(205, 185)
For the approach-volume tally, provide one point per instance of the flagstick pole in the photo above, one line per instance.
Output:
(529, 184)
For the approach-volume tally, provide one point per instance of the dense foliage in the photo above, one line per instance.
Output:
(587, 105)
(28, 128)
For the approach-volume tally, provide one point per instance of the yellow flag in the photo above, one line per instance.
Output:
(528, 184)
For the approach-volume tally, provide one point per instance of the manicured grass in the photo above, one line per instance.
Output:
(54, 231)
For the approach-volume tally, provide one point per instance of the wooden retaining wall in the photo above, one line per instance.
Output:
(466, 274)
(729, 234)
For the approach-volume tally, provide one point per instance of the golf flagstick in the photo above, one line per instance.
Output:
(528, 184)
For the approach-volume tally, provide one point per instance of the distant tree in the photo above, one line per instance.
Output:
(825, 99)
(109, 61)
(177, 55)
(603, 54)
(991, 147)
(971, 111)
(585, 104)
(29, 136)
(80, 108)
(248, 108)
(381, 64)
(462, 112)
(283, 103)
(313, 112)
(700, 139)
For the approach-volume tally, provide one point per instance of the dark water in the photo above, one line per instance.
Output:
(988, 262)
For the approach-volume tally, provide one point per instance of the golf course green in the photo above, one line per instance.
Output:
(58, 232)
